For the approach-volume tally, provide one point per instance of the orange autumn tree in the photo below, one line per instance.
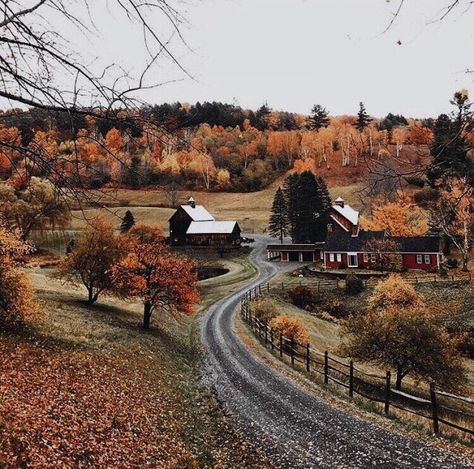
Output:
(17, 303)
(398, 218)
(158, 277)
(91, 259)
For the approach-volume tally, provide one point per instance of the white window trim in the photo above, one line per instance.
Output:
(338, 257)
(349, 254)
(427, 259)
(373, 257)
(419, 259)
(331, 257)
(366, 257)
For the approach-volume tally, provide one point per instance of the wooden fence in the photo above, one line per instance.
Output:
(438, 406)
(327, 284)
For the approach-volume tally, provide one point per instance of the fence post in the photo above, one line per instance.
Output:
(292, 345)
(326, 367)
(281, 345)
(434, 408)
(308, 358)
(351, 378)
(387, 392)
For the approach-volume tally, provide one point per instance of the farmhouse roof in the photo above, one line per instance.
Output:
(197, 213)
(211, 227)
(417, 243)
(347, 212)
(342, 241)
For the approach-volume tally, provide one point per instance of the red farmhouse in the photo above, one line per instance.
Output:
(346, 245)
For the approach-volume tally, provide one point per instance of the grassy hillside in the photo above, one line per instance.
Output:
(251, 209)
(88, 387)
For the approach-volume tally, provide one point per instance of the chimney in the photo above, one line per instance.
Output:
(339, 201)
(191, 202)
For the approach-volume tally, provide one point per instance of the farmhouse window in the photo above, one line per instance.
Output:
(372, 257)
(427, 259)
(419, 259)
(338, 257)
(331, 257)
(366, 257)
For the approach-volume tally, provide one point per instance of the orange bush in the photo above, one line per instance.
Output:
(291, 328)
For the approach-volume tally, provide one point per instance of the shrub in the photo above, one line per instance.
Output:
(354, 284)
(333, 306)
(264, 309)
(393, 292)
(302, 297)
(453, 263)
(291, 328)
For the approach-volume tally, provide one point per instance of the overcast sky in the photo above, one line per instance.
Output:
(294, 53)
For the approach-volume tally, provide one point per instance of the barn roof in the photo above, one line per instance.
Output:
(197, 213)
(347, 212)
(211, 227)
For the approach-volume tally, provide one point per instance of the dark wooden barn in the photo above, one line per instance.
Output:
(193, 225)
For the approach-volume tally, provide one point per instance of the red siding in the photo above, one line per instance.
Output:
(409, 262)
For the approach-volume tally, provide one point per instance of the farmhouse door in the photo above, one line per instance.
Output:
(352, 259)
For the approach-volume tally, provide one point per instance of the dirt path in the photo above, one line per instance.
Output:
(298, 429)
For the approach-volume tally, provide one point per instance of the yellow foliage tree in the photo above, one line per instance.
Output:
(291, 328)
(399, 218)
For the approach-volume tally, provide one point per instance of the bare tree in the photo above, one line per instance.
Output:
(41, 68)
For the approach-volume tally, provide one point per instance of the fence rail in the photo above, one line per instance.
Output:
(327, 284)
(372, 386)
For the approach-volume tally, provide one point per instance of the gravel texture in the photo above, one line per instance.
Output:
(298, 429)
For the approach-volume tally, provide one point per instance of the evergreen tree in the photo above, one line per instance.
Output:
(449, 149)
(262, 115)
(127, 222)
(322, 208)
(363, 119)
(279, 217)
(306, 220)
(292, 202)
(319, 117)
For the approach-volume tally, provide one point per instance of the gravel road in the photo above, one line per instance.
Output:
(296, 428)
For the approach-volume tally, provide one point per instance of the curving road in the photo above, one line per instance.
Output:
(296, 428)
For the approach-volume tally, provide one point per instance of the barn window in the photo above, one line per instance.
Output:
(419, 259)
(366, 257)
(427, 259)
(372, 257)
(339, 257)
(331, 257)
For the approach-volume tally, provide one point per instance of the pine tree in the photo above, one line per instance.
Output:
(278, 225)
(449, 149)
(127, 222)
(363, 119)
(322, 208)
(306, 220)
(292, 202)
(319, 117)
